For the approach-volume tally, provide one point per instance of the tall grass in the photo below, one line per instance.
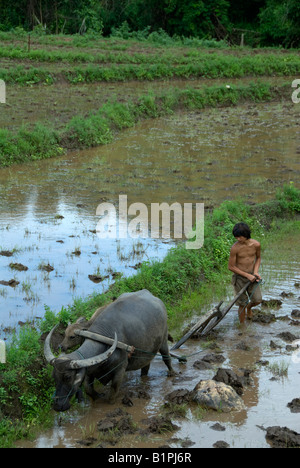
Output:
(39, 143)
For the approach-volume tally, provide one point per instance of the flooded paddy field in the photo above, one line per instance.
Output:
(48, 208)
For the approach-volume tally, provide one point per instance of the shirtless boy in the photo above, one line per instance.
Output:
(244, 262)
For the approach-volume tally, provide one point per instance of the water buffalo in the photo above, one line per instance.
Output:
(138, 319)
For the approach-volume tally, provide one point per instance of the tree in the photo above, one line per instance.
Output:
(280, 22)
(196, 17)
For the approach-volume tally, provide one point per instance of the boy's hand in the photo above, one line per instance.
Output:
(253, 278)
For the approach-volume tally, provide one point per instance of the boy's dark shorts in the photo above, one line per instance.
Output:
(253, 292)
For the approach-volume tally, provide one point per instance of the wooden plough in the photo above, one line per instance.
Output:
(210, 320)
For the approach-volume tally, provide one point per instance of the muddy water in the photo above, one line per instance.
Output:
(48, 208)
(265, 399)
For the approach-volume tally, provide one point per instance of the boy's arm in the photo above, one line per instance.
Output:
(257, 261)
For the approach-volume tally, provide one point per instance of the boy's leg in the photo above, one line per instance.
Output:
(256, 299)
(238, 283)
(242, 313)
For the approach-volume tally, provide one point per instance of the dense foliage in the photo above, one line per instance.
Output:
(264, 22)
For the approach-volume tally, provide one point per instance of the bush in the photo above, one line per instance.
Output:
(289, 198)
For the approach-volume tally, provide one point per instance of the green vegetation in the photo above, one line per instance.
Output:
(202, 65)
(99, 127)
(45, 80)
(184, 280)
(265, 22)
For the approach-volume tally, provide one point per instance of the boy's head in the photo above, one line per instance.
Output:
(241, 230)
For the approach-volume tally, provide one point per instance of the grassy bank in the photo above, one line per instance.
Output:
(185, 280)
(159, 67)
(100, 126)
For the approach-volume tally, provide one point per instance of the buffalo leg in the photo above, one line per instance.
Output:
(145, 370)
(79, 396)
(164, 351)
(116, 383)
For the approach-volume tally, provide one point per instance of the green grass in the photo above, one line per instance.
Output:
(159, 67)
(39, 143)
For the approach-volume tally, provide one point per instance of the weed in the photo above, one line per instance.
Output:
(279, 369)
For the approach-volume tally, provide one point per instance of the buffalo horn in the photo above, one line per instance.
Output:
(96, 359)
(47, 348)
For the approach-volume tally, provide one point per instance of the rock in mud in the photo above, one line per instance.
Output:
(275, 345)
(243, 346)
(287, 336)
(217, 396)
(296, 313)
(218, 427)
(221, 444)
(12, 283)
(271, 303)
(160, 425)
(86, 442)
(48, 268)
(282, 437)
(6, 253)
(18, 267)
(286, 294)
(180, 396)
(294, 405)
(214, 358)
(121, 423)
(138, 392)
(228, 377)
(262, 317)
(97, 278)
(202, 365)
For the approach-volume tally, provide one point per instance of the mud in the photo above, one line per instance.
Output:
(283, 437)
(294, 405)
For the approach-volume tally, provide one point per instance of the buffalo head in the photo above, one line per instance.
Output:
(69, 373)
